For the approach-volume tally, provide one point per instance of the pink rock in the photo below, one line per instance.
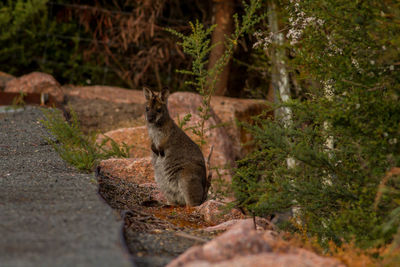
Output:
(4, 79)
(136, 137)
(36, 82)
(241, 239)
(243, 246)
(272, 260)
(228, 110)
(222, 226)
(261, 224)
(184, 102)
(214, 213)
(127, 180)
(136, 170)
(191, 255)
(107, 93)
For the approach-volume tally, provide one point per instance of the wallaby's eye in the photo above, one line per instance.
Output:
(147, 108)
(159, 110)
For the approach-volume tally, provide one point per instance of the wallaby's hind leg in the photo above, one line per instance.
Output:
(192, 188)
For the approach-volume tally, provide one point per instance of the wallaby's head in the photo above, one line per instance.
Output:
(156, 105)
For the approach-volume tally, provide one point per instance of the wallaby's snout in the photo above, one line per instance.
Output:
(151, 115)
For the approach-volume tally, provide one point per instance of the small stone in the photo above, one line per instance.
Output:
(213, 212)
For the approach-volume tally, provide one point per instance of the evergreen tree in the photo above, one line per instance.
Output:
(351, 50)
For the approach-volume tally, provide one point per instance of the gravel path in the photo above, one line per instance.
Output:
(50, 215)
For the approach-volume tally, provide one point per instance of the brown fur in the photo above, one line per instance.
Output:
(178, 162)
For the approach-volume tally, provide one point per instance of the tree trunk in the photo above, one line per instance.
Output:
(279, 76)
(328, 92)
(280, 84)
(222, 16)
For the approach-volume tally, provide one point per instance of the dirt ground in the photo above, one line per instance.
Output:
(154, 233)
(96, 115)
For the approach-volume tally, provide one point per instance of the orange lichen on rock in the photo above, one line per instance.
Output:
(136, 170)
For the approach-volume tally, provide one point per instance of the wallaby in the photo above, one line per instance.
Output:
(178, 162)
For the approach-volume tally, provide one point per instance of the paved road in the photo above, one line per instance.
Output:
(50, 215)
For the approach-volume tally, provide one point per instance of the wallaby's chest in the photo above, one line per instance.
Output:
(156, 135)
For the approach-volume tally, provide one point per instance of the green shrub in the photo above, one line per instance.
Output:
(348, 49)
(198, 46)
(30, 40)
(76, 148)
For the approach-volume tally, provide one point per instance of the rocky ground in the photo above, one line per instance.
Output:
(156, 234)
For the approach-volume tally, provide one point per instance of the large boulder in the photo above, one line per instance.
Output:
(105, 108)
(127, 182)
(135, 170)
(243, 246)
(106, 93)
(305, 259)
(229, 111)
(228, 137)
(36, 82)
(135, 137)
(4, 79)
(100, 115)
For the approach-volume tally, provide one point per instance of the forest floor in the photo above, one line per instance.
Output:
(154, 233)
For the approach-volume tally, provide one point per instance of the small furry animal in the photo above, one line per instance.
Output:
(178, 162)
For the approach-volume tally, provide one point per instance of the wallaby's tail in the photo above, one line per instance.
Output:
(209, 175)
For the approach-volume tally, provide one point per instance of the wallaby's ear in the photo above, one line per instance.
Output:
(147, 93)
(164, 94)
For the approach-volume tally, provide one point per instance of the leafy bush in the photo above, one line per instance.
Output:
(345, 54)
(76, 148)
(198, 46)
(31, 40)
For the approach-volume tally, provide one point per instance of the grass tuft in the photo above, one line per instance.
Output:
(74, 146)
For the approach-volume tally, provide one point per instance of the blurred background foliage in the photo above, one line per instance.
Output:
(121, 43)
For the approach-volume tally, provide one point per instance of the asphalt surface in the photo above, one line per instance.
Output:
(50, 214)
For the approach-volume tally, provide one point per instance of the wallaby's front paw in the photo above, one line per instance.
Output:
(158, 152)
(154, 149)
